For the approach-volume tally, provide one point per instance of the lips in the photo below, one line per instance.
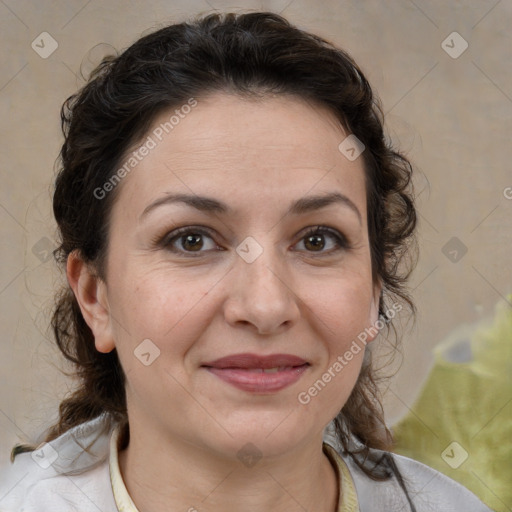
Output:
(254, 361)
(258, 374)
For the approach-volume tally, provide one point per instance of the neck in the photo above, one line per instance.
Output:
(161, 475)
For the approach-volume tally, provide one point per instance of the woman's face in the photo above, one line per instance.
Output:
(245, 182)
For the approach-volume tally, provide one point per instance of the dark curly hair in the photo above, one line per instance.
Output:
(252, 55)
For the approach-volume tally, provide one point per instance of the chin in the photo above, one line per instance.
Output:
(271, 434)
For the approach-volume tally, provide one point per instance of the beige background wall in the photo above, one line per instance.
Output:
(452, 116)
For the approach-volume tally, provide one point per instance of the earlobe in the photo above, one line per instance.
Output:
(90, 292)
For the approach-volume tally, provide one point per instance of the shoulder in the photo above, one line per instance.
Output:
(428, 489)
(69, 473)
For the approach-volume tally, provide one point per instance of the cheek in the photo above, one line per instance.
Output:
(342, 313)
(168, 310)
(330, 387)
(342, 305)
(172, 315)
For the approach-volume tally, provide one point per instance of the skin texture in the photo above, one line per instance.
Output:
(186, 424)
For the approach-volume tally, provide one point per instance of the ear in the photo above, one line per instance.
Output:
(374, 311)
(91, 293)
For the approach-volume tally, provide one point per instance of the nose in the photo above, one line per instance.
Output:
(261, 295)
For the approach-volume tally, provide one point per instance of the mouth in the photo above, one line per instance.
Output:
(258, 374)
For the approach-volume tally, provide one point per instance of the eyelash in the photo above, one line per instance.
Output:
(168, 240)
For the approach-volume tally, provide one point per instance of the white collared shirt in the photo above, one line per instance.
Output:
(79, 472)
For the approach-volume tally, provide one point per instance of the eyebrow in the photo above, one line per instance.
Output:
(298, 207)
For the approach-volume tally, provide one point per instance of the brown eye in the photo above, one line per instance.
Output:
(324, 240)
(189, 240)
(314, 242)
(192, 242)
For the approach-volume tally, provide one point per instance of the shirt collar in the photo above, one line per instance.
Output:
(347, 499)
(123, 501)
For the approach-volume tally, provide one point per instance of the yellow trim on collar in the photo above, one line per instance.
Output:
(347, 501)
(123, 501)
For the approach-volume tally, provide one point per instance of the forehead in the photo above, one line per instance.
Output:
(268, 147)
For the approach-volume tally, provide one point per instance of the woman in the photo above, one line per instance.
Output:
(232, 223)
